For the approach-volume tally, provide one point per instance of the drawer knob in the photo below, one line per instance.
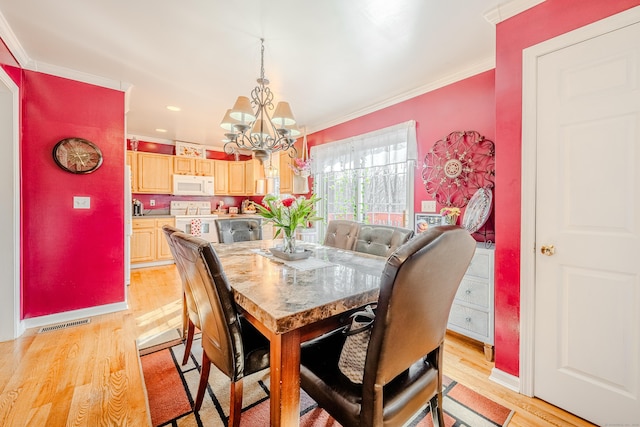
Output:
(468, 319)
(468, 292)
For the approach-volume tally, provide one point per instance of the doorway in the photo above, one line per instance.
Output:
(580, 286)
(10, 214)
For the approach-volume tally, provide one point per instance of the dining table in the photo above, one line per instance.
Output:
(292, 301)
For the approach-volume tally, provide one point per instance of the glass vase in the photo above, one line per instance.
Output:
(289, 241)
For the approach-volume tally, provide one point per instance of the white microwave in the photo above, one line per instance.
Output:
(191, 185)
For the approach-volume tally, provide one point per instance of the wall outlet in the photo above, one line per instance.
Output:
(428, 206)
(152, 202)
(81, 202)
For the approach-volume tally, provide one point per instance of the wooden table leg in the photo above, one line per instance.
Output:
(285, 379)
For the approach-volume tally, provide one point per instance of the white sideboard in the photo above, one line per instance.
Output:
(472, 313)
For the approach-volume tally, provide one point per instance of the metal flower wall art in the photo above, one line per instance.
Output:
(457, 166)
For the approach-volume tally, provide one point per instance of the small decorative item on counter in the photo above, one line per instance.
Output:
(233, 210)
(287, 215)
(450, 215)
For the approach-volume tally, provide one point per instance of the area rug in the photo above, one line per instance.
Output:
(171, 390)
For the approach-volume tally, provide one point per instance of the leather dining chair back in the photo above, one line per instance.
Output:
(341, 234)
(403, 367)
(229, 342)
(232, 230)
(381, 240)
(190, 318)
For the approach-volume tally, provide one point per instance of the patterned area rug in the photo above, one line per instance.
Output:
(171, 390)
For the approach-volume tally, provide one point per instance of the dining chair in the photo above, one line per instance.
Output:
(232, 230)
(229, 341)
(341, 234)
(381, 240)
(403, 367)
(190, 318)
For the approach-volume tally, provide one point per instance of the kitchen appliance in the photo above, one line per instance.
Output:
(195, 218)
(138, 207)
(192, 185)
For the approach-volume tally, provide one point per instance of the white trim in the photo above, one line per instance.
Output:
(13, 142)
(527, 231)
(506, 11)
(152, 263)
(12, 42)
(482, 66)
(67, 316)
(506, 380)
(79, 76)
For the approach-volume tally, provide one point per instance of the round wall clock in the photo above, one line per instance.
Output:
(77, 155)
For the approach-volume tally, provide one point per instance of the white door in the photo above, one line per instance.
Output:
(587, 293)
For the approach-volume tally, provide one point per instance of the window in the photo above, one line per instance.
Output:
(367, 178)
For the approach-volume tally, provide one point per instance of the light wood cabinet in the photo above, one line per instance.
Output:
(221, 177)
(205, 167)
(184, 165)
(286, 173)
(253, 171)
(148, 242)
(132, 162)
(143, 241)
(236, 178)
(154, 173)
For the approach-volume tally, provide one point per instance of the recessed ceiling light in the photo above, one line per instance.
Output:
(161, 130)
(173, 108)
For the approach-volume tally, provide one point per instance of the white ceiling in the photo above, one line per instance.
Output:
(331, 59)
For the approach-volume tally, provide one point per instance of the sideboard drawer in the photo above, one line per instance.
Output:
(471, 320)
(480, 265)
(474, 292)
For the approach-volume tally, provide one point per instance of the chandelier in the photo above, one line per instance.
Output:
(249, 125)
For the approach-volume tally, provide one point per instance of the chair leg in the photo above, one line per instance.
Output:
(235, 404)
(436, 410)
(204, 380)
(187, 345)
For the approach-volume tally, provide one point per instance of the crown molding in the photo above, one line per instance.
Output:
(485, 65)
(507, 10)
(79, 76)
(8, 36)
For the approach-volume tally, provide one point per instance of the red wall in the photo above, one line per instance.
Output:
(464, 105)
(71, 258)
(543, 22)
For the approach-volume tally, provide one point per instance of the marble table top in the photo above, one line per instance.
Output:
(284, 298)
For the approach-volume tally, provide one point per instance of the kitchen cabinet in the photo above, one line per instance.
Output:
(286, 173)
(253, 171)
(132, 162)
(221, 177)
(205, 167)
(184, 165)
(148, 242)
(472, 312)
(154, 173)
(236, 179)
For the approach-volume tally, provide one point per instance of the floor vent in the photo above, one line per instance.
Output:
(64, 325)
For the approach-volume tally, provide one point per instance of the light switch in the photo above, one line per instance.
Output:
(428, 206)
(80, 202)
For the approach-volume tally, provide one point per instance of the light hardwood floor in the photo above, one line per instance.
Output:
(90, 376)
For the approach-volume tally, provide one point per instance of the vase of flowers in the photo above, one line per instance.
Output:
(449, 215)
(301, 167)
(287, 215)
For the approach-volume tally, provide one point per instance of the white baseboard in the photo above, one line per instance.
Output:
(152, 264)
(36, 322)
(507, 380)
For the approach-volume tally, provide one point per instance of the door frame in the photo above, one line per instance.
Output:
(528, 176)
(10, 297)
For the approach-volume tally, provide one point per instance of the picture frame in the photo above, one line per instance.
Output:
(425, 221)
(188, 149)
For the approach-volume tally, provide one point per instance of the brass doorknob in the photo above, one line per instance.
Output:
(548, 250)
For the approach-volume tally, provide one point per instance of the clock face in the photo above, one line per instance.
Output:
(77, 155)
